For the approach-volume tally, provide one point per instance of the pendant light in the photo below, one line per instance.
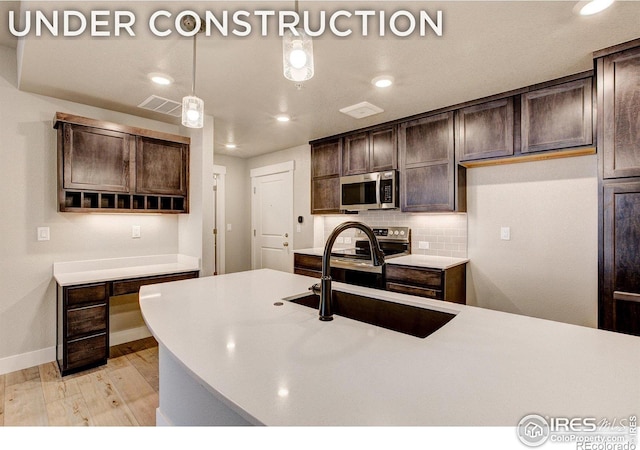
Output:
(297, 54)
(192, 106)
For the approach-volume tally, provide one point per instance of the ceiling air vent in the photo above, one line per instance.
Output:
(162, 105)
(361, 110)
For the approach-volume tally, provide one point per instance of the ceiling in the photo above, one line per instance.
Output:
(486, 48)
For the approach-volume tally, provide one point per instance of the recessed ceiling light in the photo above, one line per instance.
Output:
(382, 81)
(594, 6)
(161, 79)
(283, 118)
(230, 146)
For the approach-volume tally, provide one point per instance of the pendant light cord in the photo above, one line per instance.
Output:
(193, 83)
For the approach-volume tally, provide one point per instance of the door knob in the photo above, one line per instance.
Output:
(285, 244)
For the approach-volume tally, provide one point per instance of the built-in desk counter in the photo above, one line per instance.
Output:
(85, 291)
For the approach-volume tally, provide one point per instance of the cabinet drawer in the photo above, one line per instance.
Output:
(132, 286)
(83, 295)
(309, 273)
(87, 351)
(307, 262)
(415, 290)
(414, 275)
(87, 320)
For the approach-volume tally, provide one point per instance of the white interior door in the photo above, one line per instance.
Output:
(272, 217)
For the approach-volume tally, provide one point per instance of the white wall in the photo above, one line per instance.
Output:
(238, 202)
(549, 268)
(28, 197)
(195, 228)
(237, 214)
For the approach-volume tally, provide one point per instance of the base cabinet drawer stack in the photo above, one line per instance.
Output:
(83, 319)
(83, 334)
(449, 285)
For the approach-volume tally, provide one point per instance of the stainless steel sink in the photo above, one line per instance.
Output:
(407, 319)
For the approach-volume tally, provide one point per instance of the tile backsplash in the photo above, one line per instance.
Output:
(446, 234)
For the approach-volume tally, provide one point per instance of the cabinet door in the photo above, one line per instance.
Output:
(426, 164)
(161, 167)
(383, 149)
(557, 117)
(620, 294)
(355, 154)
(619, 113)
(95, 159)
(325, 158)
(325, 195)
(485, 130)
(325, 176)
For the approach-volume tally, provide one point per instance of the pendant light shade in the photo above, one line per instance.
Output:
(192, 112)
(192, 106)
(297, 56)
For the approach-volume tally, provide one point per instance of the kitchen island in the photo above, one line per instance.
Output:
(234, 351)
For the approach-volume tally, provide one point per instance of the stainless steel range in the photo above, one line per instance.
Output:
(394, 242)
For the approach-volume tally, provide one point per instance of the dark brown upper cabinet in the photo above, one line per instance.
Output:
(557, 117)
(370, 151)
(161, 167)
(325, 176)
(108, 167)
(485, 130)
(427, 166)
(619, 112)
(96, 159)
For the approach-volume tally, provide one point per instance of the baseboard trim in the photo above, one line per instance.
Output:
(131, 334)
(46, 355)
(26, 360)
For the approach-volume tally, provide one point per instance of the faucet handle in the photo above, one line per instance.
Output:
(315, 289)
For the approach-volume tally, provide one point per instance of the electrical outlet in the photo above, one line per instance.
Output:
(340, 240)
(43, 233)
(423, 244)
(229, 227)
(505, 233)
(347, 240)
(135, 231)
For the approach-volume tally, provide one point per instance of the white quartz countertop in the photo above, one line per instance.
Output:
(93, 271)
(426, 261)
(280, 365)
(315, 251)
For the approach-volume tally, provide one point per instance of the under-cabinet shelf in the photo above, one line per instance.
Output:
(82, 201)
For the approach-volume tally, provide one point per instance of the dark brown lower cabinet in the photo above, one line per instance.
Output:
(83, 319)
(620, 278)
(449, 284)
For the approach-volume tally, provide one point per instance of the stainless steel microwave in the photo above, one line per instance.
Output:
(377, 190)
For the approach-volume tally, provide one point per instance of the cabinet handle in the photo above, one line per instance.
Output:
(626, 296)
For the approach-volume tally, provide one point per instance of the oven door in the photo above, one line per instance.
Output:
(360, 192)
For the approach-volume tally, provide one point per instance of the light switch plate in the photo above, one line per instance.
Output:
(135, 231)
(43, 234)
(505, 233)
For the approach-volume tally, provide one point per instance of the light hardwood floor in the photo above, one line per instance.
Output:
(124, 392)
